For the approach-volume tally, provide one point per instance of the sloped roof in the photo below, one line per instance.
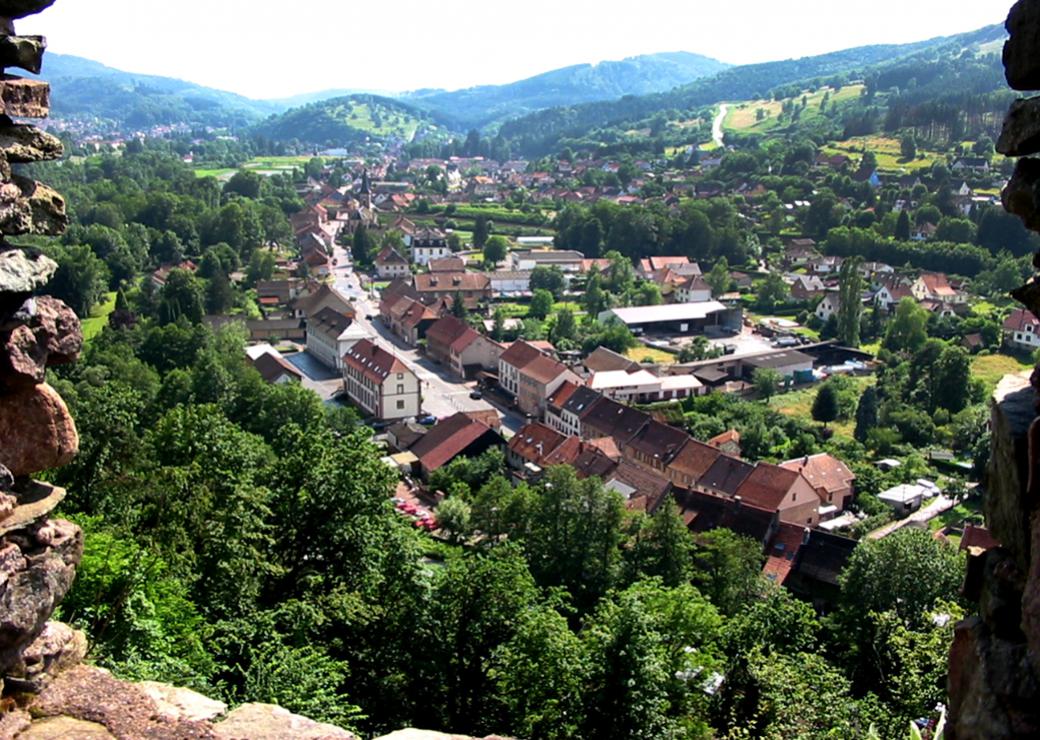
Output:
(782, 552)
(612, 419)
(446, 330)
(543, 369)
(448, 439)
(439, 282)
(825, 472)
(823, 556)
(659, 441)
(767, 485)
(581, 401)
(373, 361)
(273, 366)
(603, 359)
(726, 474)
(650, 488)
(703, 512)
(534, 441)
(520, 354)
(694, 458)
(561, 395)
(1019, 319)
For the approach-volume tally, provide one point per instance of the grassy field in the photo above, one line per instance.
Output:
(799, 404)
(264, 165)
(643, 353)
(745, 116)
(991, 368)
(98, 317)
(886, 149)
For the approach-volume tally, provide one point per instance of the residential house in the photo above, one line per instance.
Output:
(571, 411)
(891, 293)
(655, 446)
(806, 287)
(273, 368)
(321, 297)
(693, 289)
(460, 347)
(774, 488)
(933, 286)
(800, 252)
(274, 330)
(642, 490)
(429, 244)
(1022, 330)
(274, 294)
(608, 418)
(828, 306)
(330, 334)
(724, 477)
(648, 266)
(409, 319)
(380, 383)
(160, 276)
(391, 264)
(531, 445)
(830, 477)
(511, 361)
(691, 462)
(702, 512)
(538, 379)
(447, 264)
(458, 435)
(474, 287)
(554, 408)
(818, 564)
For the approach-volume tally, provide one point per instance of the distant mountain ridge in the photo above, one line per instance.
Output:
(477, 107)
(87, 89)
(537, 131)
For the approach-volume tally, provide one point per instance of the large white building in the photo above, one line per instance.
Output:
(330, 334)
(380, 383)
(674, 318)
(642, 386)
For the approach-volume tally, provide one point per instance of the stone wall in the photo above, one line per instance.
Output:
(994, 671)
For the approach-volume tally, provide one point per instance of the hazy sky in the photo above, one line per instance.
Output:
(264, 49)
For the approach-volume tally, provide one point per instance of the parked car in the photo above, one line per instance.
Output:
(427, 420)
(729, 349)
(476, 395)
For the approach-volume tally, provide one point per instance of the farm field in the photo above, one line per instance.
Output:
(263, 165)
(744, 115)
(886, 149)
(991, 368)
(642, 353)
(98, 317)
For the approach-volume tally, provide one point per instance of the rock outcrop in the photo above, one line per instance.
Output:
(994, 669)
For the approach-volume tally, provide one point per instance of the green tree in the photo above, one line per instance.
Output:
(361, 247)
(866, 414)
(903, 226)
(481, 231)
(907, 330)
(773, 291)
(219, 294)
(908, 147)
(825, 405)
(551, 279)
(727, 569)
(565, 328)
(80, 280)
(663, 548)
(181, 297)
(850, 302)
(495, 251)
(541, 304)
(767, 382)
(454, 517)
(718, 277)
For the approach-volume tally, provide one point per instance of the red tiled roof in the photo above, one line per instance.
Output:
(543, 369)
(767, 486)
(534, 441)
(520, 354)
(782, 551)
(445, 331)
(825, 472)
(447, 440)
(562, 394)
(373, 361)
(1019, 319)
(977, 537)
(731, 436)
(447, 282)
(695, 458)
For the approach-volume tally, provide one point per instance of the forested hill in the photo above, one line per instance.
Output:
(477, 107)
(351, 118)
(540, 132)
(84, 89)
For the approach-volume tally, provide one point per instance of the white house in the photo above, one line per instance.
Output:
(429, 244)
(330, 334)
(566, 260)
(380, 383)
(933, 286)
(1022, 330)
(693, 290)
(829, 306)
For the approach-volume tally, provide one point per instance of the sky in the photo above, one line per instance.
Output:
(269, 49)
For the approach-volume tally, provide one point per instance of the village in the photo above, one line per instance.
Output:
(429, 336)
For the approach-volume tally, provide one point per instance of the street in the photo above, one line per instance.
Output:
(442, 394)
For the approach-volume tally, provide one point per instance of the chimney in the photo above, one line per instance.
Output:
(805, 535)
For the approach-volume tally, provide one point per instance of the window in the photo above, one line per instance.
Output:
(400, 389)
(794, 496)
(400, 405)
(400, 376)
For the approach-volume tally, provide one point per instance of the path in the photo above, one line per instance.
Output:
(717, 134)
(936, 507)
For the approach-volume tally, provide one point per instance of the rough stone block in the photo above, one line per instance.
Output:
(22, 8)
(176, 703)
(24, 143)
(37, 431)
(25, 52)
(1021, 132)
(1021, 195)
(22, 98)
(21, 272)
(270, 722)
(1013, 411)
(52, 335)
(29, 207)
(1021, 62)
